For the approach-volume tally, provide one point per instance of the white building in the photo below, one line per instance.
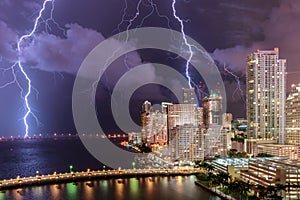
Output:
(215, 141)
(293, 116)
(266, 89)
(185, 140)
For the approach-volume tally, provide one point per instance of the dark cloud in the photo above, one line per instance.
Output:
(281, 29)
(8, 43)
(230, 29)
(53, 53)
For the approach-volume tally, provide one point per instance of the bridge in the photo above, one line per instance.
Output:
(91, 175)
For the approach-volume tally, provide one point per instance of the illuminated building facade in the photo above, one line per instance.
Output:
(266, 89)
(189, 96)
(135, 137)
(215, 141)
(212, 110)
(154, 125)
(293, 116)
(279, 150)
(215, 135)
(145, 119)
(227, 120)
(234, 166)
(185, 139)
(272, 172)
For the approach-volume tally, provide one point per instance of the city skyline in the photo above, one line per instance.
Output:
(52, 74)
(149, 99)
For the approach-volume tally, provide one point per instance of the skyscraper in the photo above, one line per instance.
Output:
(189, 96)
(212, 110)
(145, 119)
(214, 134)
(185, 139)
(266, 88)
(154, 125)
(293, 116)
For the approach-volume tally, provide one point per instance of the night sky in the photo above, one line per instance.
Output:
(228, 30)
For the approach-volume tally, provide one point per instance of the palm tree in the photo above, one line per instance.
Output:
(232, 188)
(223, 178)
(211, 178)
(281, 188)
(198, 164)
(262, 191)
(243, 189)
(210, 167)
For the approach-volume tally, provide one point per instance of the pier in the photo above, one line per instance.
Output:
(55, 178)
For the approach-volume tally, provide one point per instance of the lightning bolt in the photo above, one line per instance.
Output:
(18, 67)
(19, 49)
(191, 53)
(51, 19)
(238, 88)
(129, 21)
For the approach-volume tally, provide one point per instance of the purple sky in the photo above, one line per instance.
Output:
(229, 30)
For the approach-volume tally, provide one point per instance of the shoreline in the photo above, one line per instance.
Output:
(219, 193)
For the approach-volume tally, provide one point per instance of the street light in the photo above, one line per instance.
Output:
(133, 165)
(71, 168)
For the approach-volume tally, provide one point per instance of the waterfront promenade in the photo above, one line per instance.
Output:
(54, 178)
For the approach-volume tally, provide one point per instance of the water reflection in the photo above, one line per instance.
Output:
(89, 190)
(71, 191)
(120, 189)
(104, 185)
(2, 196)
(120, 186)
(134, 188)
(55, 191)
(38, 192)
(149, 185)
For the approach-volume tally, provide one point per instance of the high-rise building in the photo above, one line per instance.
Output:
(189, 96)
(293, 116)
(185, 139)
(212, 110)
(215, 136)
(215, 141)
(146, 106)
(227, 120)
(154, 125)
(145, 119)
(266, 88)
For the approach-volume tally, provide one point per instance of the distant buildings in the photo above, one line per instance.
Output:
(188, 132)
(227, 120)
(252, 144)
(134, 137)
(154, 125)
(293, 116)
(189, 96)
(266, 89)
(279, 150)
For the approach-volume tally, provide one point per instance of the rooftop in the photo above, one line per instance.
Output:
(244, 161)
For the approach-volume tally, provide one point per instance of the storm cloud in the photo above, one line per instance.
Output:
(281, 29)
